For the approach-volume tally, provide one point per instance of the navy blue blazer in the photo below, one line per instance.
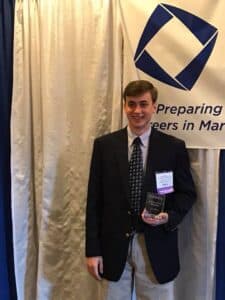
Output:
(108, 217)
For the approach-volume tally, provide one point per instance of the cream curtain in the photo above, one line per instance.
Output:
(67, 90)
(196, 280)
(68, 67)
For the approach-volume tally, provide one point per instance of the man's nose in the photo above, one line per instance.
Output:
(137, 108)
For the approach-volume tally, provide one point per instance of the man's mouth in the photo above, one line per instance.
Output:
(137, 117)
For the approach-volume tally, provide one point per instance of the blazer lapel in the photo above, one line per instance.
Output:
(152, 157)
(122, 158)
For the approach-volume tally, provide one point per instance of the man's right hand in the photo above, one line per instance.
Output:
(95, 266)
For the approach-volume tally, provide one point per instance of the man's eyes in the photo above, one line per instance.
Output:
(144, 104)
(133, 104)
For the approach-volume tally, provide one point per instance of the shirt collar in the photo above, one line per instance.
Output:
(144, 137)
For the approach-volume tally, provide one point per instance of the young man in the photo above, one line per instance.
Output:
(125, 245)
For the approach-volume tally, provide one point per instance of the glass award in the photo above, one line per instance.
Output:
(154, 204)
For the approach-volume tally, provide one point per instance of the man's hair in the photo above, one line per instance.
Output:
(139, 87)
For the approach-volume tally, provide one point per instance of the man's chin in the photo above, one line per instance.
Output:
(139, 126)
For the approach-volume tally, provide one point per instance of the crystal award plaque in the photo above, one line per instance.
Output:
(154, 204)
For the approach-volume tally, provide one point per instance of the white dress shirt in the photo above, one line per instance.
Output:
(144, 144)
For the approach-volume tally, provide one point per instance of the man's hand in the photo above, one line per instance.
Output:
(95, 266)
(159, 219)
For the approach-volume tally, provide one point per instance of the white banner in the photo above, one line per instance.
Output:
(179, 46)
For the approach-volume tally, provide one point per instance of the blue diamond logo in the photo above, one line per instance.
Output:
(205, 33)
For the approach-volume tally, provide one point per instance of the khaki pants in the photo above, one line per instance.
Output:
(137, 278)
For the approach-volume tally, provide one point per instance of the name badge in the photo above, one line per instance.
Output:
(164, 182)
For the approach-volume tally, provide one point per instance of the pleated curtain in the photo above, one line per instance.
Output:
(68, 78)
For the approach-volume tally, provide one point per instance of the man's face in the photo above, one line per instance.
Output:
(139, 111)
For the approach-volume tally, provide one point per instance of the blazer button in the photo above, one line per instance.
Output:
(129, 212)
(127, 234)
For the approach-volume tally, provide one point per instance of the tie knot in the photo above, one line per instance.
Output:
(137, 141)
